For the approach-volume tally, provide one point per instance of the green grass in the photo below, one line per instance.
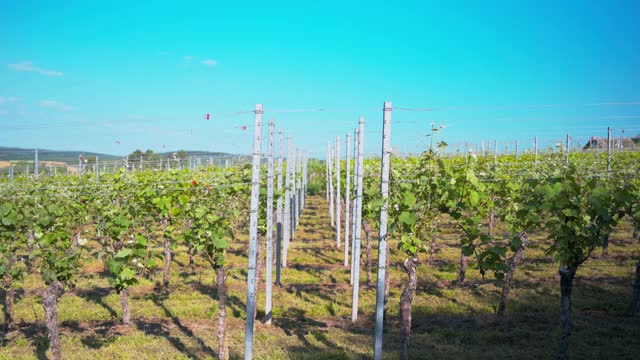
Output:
(312, 309)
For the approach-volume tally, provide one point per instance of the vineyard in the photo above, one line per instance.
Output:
(483, 252)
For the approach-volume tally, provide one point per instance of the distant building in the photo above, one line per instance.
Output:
(597, 142)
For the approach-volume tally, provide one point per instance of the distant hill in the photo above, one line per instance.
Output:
(195, 153)
(71, 157)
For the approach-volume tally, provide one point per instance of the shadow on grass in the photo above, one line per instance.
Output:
(176, 342)
(37, 334)
(237, 306)
(96, 295)
(296, 323)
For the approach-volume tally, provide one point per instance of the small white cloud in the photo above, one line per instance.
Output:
(209, 62)
(55, 105)
(28, 66)
(9, 100)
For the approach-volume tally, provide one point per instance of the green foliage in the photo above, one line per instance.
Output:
(581, 211)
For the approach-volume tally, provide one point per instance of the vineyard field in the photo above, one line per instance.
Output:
(312, 308)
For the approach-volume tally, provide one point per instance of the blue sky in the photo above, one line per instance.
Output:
(83, 75)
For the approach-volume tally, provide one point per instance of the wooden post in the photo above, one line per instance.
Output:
(253, 235)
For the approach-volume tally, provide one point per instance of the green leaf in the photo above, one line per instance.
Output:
(407, 218)
(141, 240)
(127, 274)
(473, 197)
(409, 199)
(123, 253)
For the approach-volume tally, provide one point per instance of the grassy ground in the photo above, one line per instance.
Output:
(312, 309)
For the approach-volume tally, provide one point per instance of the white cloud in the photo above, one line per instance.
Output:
(209, 62)
(9, 100)
(55, 105)
(28, 66)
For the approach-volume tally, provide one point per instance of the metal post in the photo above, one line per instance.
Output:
(294, 195)
(253, 236)
(567, 149)
(97, 169)
(347, 202)
(356, 141)
(269, 267)
(287, 206)
(609, 149)
(326, 175)
(79, 166)
(535, 146)
(495, 149)
(516, 150)
(338, 200)
(299, 183)
(331, 199)
(306, 175)
(620, 147)
(304, 179)
(358, 210)
(279, 210)
(35, 171)
(382, 244)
